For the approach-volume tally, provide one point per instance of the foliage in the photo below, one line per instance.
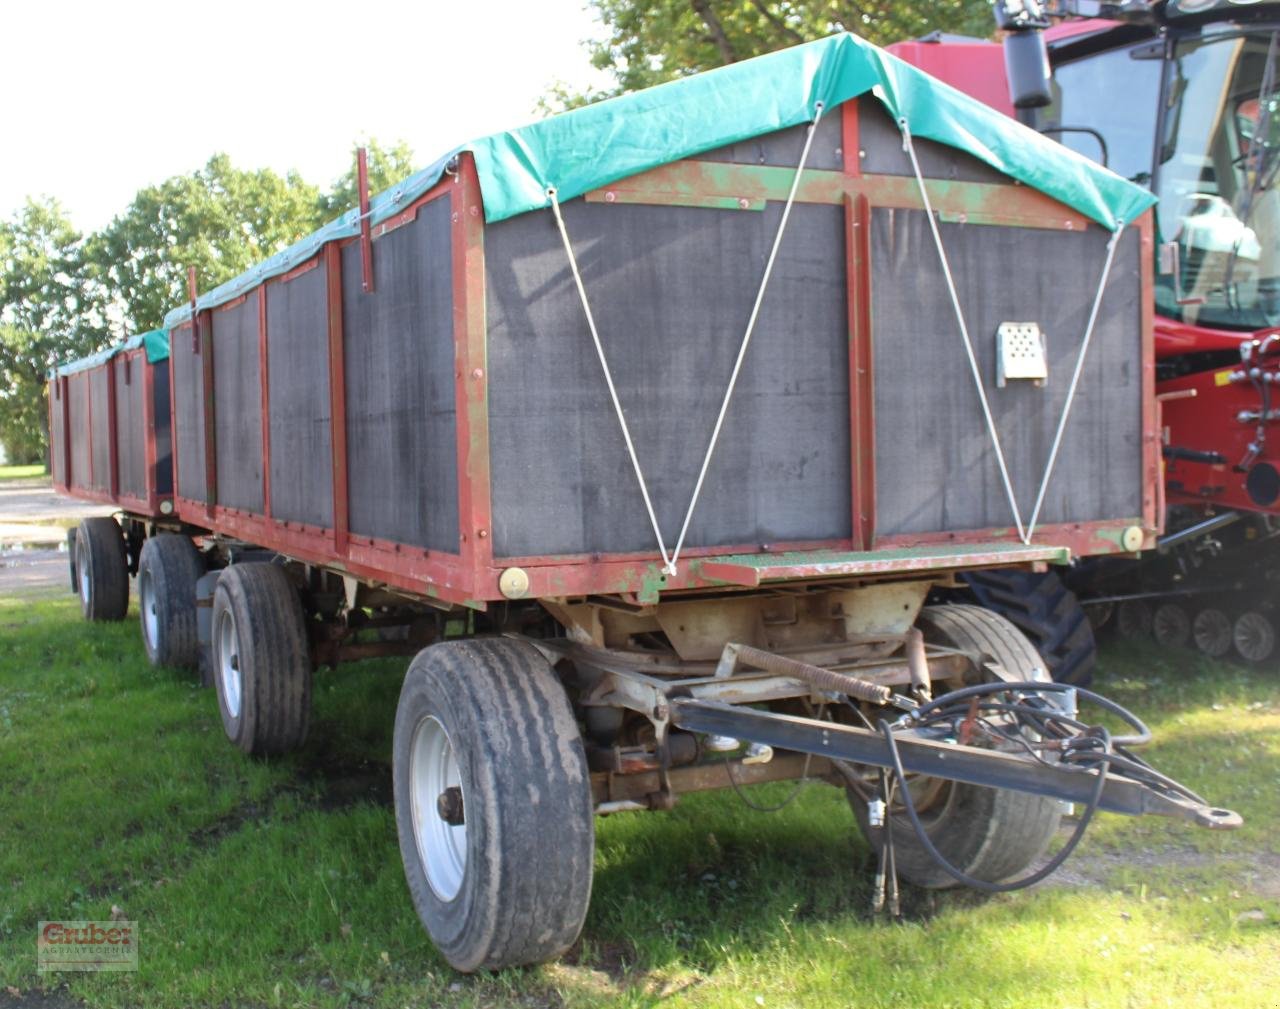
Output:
(23, 412)
(63, 295)
(651, 41)
(220, 219)
(387, 166)
(49, 309)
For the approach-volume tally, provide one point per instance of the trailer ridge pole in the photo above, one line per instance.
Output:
(113, 432)
(861, 394)
(65, 388)
(202, 344)
(191, 293)
(366, 239)
(172, 365)
(337, 398)
(88, 424)
(150, 478)
(263, 376)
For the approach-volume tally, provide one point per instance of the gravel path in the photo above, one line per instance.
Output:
(33, 534)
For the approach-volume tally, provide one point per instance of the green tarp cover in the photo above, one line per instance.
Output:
(155, 342)
(587, 148)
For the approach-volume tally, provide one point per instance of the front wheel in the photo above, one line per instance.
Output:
(493, 804)
(988, 833)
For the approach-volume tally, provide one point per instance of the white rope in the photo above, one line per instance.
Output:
(1026, 533)
(746, 337)
(667, 563)
(1075, 378)
(964, 331)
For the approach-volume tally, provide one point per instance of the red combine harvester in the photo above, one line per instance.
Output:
(1182, 97)
(629, 426)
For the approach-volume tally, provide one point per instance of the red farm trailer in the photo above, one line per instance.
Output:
(650, 429)
(109, 431)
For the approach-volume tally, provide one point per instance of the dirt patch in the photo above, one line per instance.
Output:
(1096, 870)
(29, 571)
(52, 998)
(338, 781)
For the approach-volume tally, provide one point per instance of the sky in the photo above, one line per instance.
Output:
(104, 99)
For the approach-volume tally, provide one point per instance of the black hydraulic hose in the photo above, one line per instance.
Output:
(1033, 687)
(964, 878)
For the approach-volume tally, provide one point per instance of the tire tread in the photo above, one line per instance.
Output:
(101, 541)
(540, 835)
(274, 656)
(1047, 612)
(174, 565)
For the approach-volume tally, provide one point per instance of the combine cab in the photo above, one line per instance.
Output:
(649, 430)
(1183, 99)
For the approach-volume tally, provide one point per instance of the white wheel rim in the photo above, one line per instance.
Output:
(229, 663)
(442, 847)
(1255, 637)
(147, 597)
(84, 583)
(1212, 631)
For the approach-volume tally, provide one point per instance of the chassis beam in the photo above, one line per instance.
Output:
(990, 768)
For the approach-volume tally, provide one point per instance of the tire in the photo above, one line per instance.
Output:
(261, 659)
(1254, 635)
(490, 717)
(1134, 620)
(103, 569)
(71, 561)
(1047, 612)
(1213, 632)
(1100, 616)
(990, 834)
(1171, 625)
(168, 570)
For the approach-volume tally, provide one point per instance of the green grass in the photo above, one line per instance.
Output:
(279, 883)
(21, 472)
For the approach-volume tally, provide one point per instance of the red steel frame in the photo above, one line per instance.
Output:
(470, 576)
(140, 369)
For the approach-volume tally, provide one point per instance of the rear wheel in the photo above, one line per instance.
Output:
(493, 804)
(102, 569)
(1254, 634)
(1134, 619)
(71, 560)
(1047, 612)
(990, 834)
(168, 570)
(1213, 632)
(261, 659)
(1171, 625)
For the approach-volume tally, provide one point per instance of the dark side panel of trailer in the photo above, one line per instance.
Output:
(415, 397)
(109, 422)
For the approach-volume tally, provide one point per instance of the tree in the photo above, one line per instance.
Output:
(220, 219)
(41, 287)
(652, 41)
(23, 410)
(50, 310)
(62, 297)
(387, 166)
